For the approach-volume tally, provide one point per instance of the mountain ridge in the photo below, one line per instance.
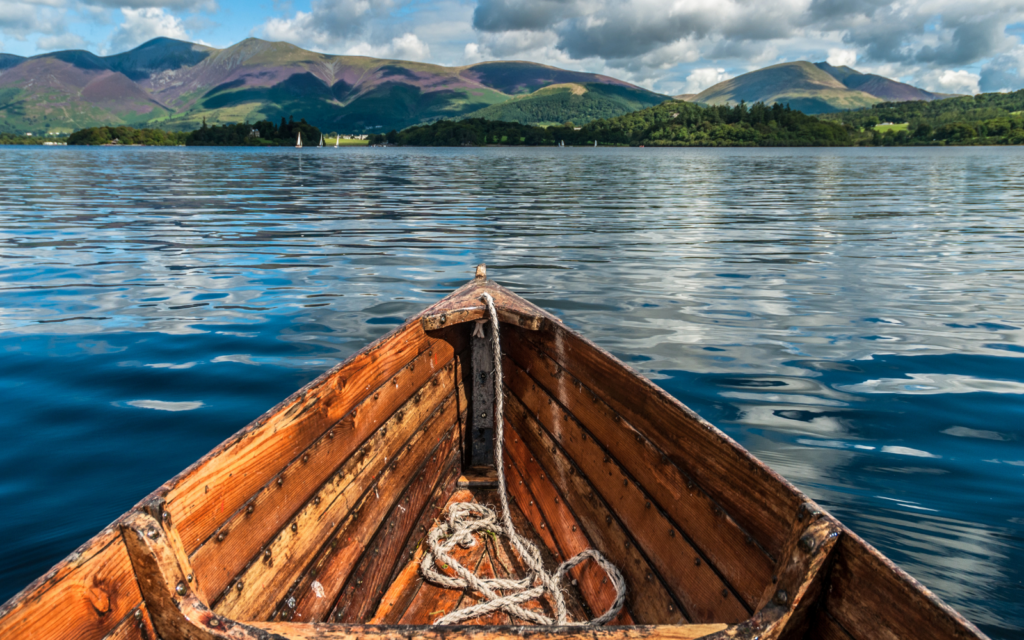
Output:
(175, 85)
(813, 87)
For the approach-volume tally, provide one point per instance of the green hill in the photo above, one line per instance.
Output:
(812, 88)
(175, 85)
(578, 103)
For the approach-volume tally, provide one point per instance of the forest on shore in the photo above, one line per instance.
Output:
(261, 134)
(671, 123)
(984, 119)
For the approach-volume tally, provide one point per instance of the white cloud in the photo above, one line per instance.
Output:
(841, 57)
(701, 79)
(60, 43)
(329, 24)
(141, 25)
(404, 47)
(20, 19)
(951, 81)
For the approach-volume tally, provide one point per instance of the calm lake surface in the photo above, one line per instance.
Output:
(853, 317)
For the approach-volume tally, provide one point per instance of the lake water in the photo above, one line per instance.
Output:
(854, 317)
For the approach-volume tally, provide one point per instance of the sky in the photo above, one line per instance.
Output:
(670, 46)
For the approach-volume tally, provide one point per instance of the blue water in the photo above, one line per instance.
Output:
(854, 317)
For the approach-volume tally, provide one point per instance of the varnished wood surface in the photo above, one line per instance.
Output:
(83, 598)
(758, 499)
(589, 422)
(873, 599)
(235, 470)
(291, 631)
(544, 466)
(238, 540)
(686, 571)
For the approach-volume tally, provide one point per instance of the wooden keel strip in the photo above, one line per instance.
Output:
(873, 599)
(433, 601)
(561, 534)
(406, 580)
(287, 556)
(218, 484)
(84, 597)
(691, 579)
(760, 501)
(238, 540)
(352, 539)
(365, 585)
(296, 631)
(717, 537)
(649, 600)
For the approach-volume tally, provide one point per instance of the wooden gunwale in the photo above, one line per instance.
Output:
(742, 563)
(663, 541)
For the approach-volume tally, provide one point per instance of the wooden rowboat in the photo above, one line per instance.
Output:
(308, 522)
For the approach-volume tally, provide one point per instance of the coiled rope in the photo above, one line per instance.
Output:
(466, 519)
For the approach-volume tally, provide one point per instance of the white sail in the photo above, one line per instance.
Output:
(336, 140)
(595, 143)
(298, 141)
(321, 140)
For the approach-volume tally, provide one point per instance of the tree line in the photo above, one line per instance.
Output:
(261, 134)
(987, 118)
(671, 123)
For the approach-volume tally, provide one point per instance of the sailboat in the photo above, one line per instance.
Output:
(298, 141)
(595, 143)
(561, 143)
(337, 140)
(321, 140)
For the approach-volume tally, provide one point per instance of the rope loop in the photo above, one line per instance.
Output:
(466, 520)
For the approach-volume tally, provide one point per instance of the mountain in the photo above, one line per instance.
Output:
(175, 85)
(813, 88)
(577, 103)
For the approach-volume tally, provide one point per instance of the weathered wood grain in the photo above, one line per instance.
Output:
(437, 449)
(295, 631)
(205, 494)
(137, 625)
(758, 499)
(649, 600)
(407, 582)
(695, 584)
(83, 598)
(433, 601)
(289, 553)
(235, 542)
(873, 599)
(825, 627)
(365, 585)
(561, 534)
(464, 306)
(720, 541)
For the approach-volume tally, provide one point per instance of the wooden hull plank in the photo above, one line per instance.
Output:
(649, 600)
(873, 599)
(561, 534)
(82, 598)
(744, 565)
(359, 598)
(137, 625)
(757, 498)
(234, 544)
(202, 496)
(267, 579)
(437, 450)
(692, 580)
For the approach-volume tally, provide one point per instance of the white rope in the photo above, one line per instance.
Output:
(466, 519)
